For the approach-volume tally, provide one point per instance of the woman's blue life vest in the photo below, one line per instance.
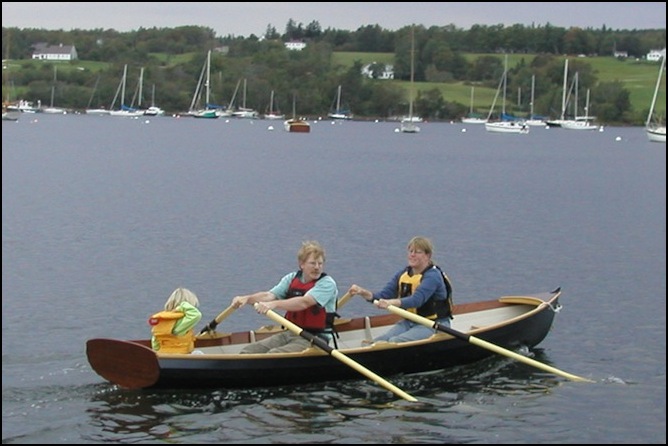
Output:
(432, 309)
(313, 319)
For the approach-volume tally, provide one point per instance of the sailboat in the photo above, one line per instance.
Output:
(579, 122)
(7, 115)
(533, 119)
(51, 108)
(502, 126)
(153, 110)
(204, 83)
(408, 124)
(472, 117)
(243, 111)
(338, 112)
(273, 114)
(123, 110)
(656, 132)
(557, 122)
(295, 124)
(99, 110)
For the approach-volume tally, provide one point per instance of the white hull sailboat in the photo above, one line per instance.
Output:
(52, 109)
(243, 111)
(501, 126)
(123, 110)
(533, 120)
(579, 122)
(338, 112)
(472, 117)
(273, 114)
(656, 132)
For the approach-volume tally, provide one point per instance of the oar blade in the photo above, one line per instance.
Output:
(482, 343)
(124, 363)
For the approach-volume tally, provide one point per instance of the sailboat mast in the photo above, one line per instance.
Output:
(141, 86)
(656, 92)
(505, 84)
(53, 87)
(563, 94)
(338, 99)
(577, 87)
(125, 74)
(533, 86)
(410, 103)
(208, 77)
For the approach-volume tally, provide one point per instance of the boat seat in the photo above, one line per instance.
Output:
(368, 338)
(270, 329)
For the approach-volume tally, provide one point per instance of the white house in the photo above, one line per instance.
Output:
(387, 73)
(295, 46)
(656, 55)
(56, 52)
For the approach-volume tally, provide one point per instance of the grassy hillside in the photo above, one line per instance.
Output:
(638, 77)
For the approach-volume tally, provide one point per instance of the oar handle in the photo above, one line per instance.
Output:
(344, 299)
(337, 354)
(211, 326)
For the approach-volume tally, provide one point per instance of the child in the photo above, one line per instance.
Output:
(172, 329)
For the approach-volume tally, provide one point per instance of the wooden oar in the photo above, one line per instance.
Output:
(127, 364)
(211, 326)
(482, 343)
(344, 299)
(337, 354)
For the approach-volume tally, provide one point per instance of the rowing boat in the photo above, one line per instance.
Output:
(510, 322)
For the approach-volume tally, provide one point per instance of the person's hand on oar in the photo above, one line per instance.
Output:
(322, 344)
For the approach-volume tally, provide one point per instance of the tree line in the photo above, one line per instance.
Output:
(172, 59)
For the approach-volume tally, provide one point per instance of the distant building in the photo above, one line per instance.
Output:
(656, 55)
(295, 45)
(44, 51)
(621, 54)
(387, 71)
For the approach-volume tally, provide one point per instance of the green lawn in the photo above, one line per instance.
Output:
(638, 77)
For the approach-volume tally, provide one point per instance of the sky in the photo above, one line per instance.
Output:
(246, 18)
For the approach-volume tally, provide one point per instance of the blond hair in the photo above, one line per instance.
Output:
(422, 244)
(181, 295)
(310, 247)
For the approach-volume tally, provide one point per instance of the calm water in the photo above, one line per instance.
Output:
(103, 217)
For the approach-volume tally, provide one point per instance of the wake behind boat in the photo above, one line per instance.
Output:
(509, 322)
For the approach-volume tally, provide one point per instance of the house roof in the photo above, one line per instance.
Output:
(43, 48)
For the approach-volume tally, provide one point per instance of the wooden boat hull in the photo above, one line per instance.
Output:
(509, 322)
(297, 126)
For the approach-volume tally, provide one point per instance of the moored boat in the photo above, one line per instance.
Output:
(509, 322)
(654, 129)
(296, 125)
